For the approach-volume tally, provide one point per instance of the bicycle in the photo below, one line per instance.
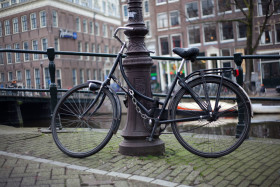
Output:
(209, 115)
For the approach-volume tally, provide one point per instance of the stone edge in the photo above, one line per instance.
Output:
(95, 171)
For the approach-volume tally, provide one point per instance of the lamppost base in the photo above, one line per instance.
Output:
(141, 147)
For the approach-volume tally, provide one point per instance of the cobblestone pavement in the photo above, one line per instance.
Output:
(255, 163)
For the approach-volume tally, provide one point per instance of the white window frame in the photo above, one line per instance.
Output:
(44, 48)
(236, 9)
(78, 24)
(74, 77)
(125, 13)
(263, 36)
(96, 29)
(10, 76)
(194, 44)
(162, 25)
(148, 25)
(159, 44)
(54, 18)
(28, 78)
(82, 76)
(171, 40)
(19, 75)
(85, 26)
(203, 30)
(160, 3)
(186, 10)
(226, 12)
(7, 27)
(105, 30)
(179, 20)
(26, 56)
(33, 27)
(221, 34)
(36, 73)
(15, 26)
(56, 46)
(9, 55)
(1, 33)
(201, 9)
(146, 14)
(17, 55)
(237, 33)
(43, 19)
(24, 23)
(276, 33)
(35, 56)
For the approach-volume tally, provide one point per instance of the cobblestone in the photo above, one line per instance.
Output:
(24, 161)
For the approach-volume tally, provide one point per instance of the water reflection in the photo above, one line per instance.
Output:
(262, 126)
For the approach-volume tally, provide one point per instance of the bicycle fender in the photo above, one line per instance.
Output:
(118, 104)
(243, 91)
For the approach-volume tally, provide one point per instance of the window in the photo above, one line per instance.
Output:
(277, 32)
(276, 5)
(78, 26)
(17, 55)
(25, 47)
(209, 33)
(5, 5)
(207, 7)
(266, 37)
(56, 45)
(194, 34)
(24, 23)
(164, 45)
(192, 10)
(161, 1)
(225, 52)
(58, 78)
(93, 50)
(86, 50)
(1, 57)
(98, 51)
(54, 18)
(7, 27)
(33, 21)
(19, 76)
(111, 32)
(96, 29)
(226, 31)
(90, 27)
(9, 54)
(74, 77)
(125, 12)
(0, 28)
(106, 50)
(148, 25)
(27, 78)
(262, 7)
(13, 2)
(224, 6)
(241, 30)
(37, 78)
(2, 77)
(15, 25)
(240, 4)
(82, 76)
(88, 74)
(35, 47)
(85, 26)
(105, 30)
(162, 21)
(43, 19)
(45, 46)
(10, 76)
(47, 78)
(176, 41)
(146, 8)
(80, 48)
(174, 19)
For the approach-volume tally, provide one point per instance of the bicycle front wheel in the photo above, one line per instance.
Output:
(220, 134)
(78, 134)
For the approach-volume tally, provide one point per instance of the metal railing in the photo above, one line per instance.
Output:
(51, 53)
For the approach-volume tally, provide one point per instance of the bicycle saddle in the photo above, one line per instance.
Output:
(187, 53)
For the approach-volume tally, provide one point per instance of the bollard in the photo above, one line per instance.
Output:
(53, 88)
(239, 79)
(137, 66)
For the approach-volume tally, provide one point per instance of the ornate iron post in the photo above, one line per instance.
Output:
(138, 69)
(53, 88)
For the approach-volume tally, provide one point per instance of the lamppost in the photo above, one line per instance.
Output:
(137, 66)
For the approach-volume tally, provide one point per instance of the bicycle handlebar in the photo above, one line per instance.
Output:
(121, 28)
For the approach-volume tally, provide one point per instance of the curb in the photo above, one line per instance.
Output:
(96, 171)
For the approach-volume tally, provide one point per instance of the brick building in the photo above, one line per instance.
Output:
(66, 25)
(194, 23)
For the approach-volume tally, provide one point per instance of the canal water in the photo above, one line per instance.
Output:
(262, 126)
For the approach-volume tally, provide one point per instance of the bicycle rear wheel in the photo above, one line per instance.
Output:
(81, 136)
(219, 135)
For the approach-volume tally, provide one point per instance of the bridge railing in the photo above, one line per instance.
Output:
(53, 91)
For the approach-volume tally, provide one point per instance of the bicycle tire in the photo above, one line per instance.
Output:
(207, 138)
(79, 136)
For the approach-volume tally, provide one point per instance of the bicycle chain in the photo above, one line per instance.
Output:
(134, 100)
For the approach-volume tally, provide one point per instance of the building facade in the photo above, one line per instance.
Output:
(66, 25)
(205, 24)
